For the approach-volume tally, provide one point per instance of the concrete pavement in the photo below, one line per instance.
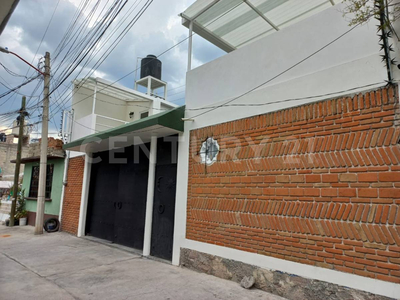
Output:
(60, 266)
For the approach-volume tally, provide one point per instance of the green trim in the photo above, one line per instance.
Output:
(171, 119)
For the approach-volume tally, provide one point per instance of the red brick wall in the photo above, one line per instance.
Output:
(72, 195)
(317, 184)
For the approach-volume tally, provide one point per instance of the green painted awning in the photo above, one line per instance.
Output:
(161, 124)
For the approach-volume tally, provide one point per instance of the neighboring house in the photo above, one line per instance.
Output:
(288, 169)
(128, 165)
(99, 105)
(8, 152)
(54, 179)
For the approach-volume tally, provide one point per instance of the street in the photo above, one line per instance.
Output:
(60, 266)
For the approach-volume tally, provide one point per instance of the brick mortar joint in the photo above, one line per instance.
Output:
(314, 106)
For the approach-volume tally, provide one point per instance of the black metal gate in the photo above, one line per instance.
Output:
(117, 198)
(164, 200)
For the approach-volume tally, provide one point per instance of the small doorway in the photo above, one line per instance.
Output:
(164, 199)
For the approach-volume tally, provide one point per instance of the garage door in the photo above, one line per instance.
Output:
(117, 197)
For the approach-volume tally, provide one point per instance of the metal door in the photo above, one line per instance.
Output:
(164, 201)
(117, 198)
(130, 207)
(102, 194)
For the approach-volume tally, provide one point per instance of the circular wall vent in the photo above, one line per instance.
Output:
(209, 151)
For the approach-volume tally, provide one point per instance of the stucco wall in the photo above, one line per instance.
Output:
(82, 102)
(350, 62)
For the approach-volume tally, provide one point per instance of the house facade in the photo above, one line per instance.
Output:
(8, 152)
(287, 157)
(54, 179)
(289, 161)
(122, 189)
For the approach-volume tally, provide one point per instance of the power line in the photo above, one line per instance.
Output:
(276, 76)
(271, 103)
(44, 34)
(167, 50)
(27, 72)
(119, 38)
(281, 73)
(12, 73)
(90, 48)
(18, 87)
(289, 99)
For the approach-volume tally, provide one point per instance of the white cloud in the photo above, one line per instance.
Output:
(158, 29)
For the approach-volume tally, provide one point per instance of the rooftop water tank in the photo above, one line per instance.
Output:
(150, 66)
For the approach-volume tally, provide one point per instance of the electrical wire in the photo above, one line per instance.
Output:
(119, 38)
(11, 72)
(167, 50)
(18, 87)
(274, 77)
(280, 74)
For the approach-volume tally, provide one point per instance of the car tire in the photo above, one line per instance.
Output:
(51, 225)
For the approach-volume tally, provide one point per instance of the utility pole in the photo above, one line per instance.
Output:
(43, 149)
(18, 161)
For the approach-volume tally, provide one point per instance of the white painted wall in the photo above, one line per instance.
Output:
(111, 103)
(370, 285)
(352, 61)
(137, 107)
(83, 127)
(82, 101)
(109, 106)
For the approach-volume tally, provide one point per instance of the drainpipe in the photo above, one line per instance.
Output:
(150, 196)
(64, 183)
(66, 164)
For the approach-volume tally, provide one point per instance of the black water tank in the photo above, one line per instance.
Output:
(150, 66)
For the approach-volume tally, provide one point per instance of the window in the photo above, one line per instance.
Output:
(33, 190)
(144, 115)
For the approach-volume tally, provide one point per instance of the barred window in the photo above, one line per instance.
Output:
(33, 190)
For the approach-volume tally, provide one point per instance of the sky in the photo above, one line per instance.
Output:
(158, 29)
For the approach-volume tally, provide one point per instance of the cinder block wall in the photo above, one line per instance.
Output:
(317, 184)
(8, 152)
(72, 195)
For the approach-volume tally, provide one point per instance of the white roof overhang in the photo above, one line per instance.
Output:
(231, 24)
(6, 9)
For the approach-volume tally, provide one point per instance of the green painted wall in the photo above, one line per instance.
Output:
(51, 207)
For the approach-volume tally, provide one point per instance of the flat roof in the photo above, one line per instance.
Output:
(136, 132)
(231, 24)
(117, 90)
